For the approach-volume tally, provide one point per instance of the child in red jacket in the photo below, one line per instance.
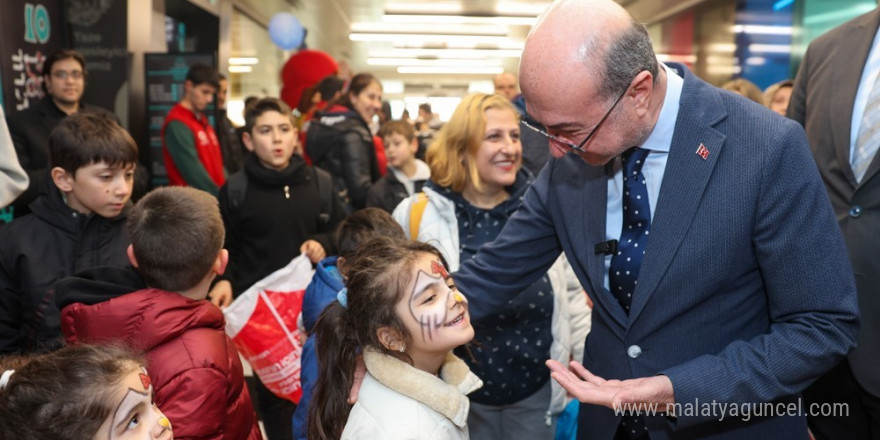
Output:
(177, 249)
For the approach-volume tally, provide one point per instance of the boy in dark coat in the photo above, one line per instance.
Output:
(275, 209)
(78, 223)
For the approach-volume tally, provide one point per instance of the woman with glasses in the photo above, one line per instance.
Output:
(476, 185)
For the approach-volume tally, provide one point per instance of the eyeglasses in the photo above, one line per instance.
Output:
(64, 74)
(569, 144)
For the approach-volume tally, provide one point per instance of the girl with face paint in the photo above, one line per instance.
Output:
(476, 185)
(136, 416)
(403, 313)
(86, 392)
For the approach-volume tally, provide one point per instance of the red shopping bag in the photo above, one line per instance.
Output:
(262, 324)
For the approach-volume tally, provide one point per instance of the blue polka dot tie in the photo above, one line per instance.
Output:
(623, 274)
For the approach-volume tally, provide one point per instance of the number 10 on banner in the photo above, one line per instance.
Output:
(36, 23)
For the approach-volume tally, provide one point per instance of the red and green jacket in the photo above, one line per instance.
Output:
(192, 151)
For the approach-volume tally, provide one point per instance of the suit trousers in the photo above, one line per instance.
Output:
(622, 435)
(836, 387)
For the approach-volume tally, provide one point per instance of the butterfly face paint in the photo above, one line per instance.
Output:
(435, 303)
(136, 416)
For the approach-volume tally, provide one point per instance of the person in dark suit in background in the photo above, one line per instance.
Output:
(64, 79)
(713, 261)
(836, 97)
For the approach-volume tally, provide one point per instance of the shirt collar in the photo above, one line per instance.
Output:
(661, 136)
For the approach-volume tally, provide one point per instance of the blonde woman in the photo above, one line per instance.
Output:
(776, 96)
(746, 88)
(476, 184)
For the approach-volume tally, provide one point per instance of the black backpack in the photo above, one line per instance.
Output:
(237, 183)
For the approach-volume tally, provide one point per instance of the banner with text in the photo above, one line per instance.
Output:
(99, 31)
(31, 31)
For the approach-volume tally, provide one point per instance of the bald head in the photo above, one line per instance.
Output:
(505, 85)
(582, 59)
(595, 41)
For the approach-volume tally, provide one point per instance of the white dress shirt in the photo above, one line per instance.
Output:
(658, 143)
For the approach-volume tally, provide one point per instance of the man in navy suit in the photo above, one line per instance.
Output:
(744, 293)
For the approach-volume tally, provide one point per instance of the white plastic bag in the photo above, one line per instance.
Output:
(262, 324)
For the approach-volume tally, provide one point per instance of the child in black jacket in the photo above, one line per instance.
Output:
(406, 174)
(76, 224)
(278, 208)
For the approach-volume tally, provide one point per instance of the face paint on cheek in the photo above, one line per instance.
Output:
(430, 314)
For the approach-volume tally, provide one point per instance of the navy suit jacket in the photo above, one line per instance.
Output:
(745, 295)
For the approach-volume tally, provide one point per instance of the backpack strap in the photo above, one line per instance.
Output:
(324, 184)
(236, 185)
(415, 214)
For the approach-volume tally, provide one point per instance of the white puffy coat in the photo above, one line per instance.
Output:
(400, 402)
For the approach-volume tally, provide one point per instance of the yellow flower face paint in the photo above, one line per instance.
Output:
(164, 422)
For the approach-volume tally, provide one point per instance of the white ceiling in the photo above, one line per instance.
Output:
(329, 23)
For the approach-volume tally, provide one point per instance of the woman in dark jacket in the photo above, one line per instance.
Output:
(340, 142)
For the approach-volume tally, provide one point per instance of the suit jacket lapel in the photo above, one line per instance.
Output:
(860, 37)
(585, 205)
(684, 180)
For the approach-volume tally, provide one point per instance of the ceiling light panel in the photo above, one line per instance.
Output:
(460, 19)
(451, 70)
(435, 63)
(459, 44)
(533, 8)
(243, 60)
(761, 29)
(424, 8)
(412, 28)
(449, 39)
(446, 53)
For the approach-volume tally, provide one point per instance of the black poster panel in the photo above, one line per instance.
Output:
(165, 74)
(99, 31)
(31, 30)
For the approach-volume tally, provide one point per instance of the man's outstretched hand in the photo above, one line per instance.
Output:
(589, 388)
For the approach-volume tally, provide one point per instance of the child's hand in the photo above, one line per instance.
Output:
(313, 250)
(221, 294)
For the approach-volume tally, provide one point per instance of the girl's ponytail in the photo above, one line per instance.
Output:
(337, 356)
